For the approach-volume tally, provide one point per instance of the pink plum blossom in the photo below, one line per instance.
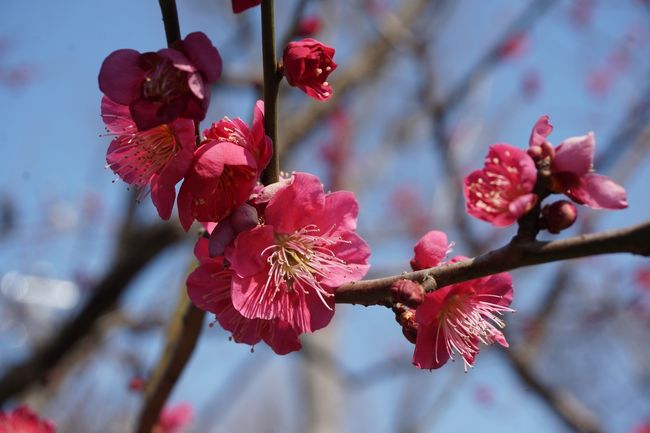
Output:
(209, 289)
(175, 419)
(154, 160)
(224, 169)
(572, 171)
(309, 26)
(289, 267)
(23, 420)
(503, 191)
(163, 86)
(456, 318)
(241, 5)
(307, 64)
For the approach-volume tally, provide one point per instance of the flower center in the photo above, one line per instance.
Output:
(139, 155)
(467, 320)
(299, 262)
(164, 82)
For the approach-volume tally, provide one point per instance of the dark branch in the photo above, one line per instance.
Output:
(635, 240)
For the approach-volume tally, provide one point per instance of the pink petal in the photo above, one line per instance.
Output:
(305, 193)
(599, 192)
(183, 130)
(241, 219)
(575, 155)
(117, 117)
(430, 347)
(520, 206)
(163, 196)
(281, 337)
(241, 5)
(244, 256)
(120, 76)
(355, 252)
(339, 213)
(430, 250)
(541, 130)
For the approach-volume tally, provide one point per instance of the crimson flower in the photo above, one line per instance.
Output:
(241, 5)
(503, 191)
(163, 86)
(456, 318)
(209, 289)
(23, 420)
(154, 160)
(307, 64)
(224, 169)
(572, 170)
(289, 267)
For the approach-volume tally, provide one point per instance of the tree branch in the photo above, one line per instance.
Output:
(182, 336)
(271, 84)
(136, 250)
(634, 239)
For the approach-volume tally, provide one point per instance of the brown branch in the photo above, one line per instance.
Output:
(271, 85)
(182, 336)
(135, 251)
(571, 410)
(634, 239)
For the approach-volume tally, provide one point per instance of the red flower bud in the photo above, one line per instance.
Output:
(558, 216)
(307, 64)
(407, 292)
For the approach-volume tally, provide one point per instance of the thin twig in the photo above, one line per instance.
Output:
(271, 85)
(634, 239)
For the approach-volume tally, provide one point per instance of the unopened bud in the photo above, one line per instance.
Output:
(558, 216)
(407, 292)
(406, 318)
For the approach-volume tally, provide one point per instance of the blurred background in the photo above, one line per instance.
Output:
(88, 279)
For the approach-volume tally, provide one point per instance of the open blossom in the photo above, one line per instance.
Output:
(209, 289)
(572, 170)
(289, 267)
(163, 86)
(307, 64)
(454, 319)
(23, 420)
(174, 419)
(154, 160)
(503, 191)
(241, 5)
(224, 169)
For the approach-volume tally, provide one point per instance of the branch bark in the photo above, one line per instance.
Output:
(634, 239)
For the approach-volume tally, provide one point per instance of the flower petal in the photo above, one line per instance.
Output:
(575, 155)
(599, 192)
(541, 130)
(305, 192)
(120, 76)
(430, 250)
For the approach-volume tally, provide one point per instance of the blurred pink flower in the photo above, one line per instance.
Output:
(572, 171)
(154, 160)
(224, 169)
(163, 86)
(241, 5)
(309, 26)
(307, 64)
(23, 420)
(209, 289)
(503, 191)
(513, 47)
(455, 318)
(289, 267)
(175, 419)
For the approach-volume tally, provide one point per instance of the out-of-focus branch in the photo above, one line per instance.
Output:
(375, 54)
(572, 412)
(182, 334)
(634, 239)
(137, 248)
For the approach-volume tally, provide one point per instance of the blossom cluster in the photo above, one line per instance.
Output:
(275, 253)
(24, 420)
(514, 181)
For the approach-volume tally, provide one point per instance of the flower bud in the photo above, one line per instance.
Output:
(307, 64)
(558, 216)
(406, 318)
(407, 292)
